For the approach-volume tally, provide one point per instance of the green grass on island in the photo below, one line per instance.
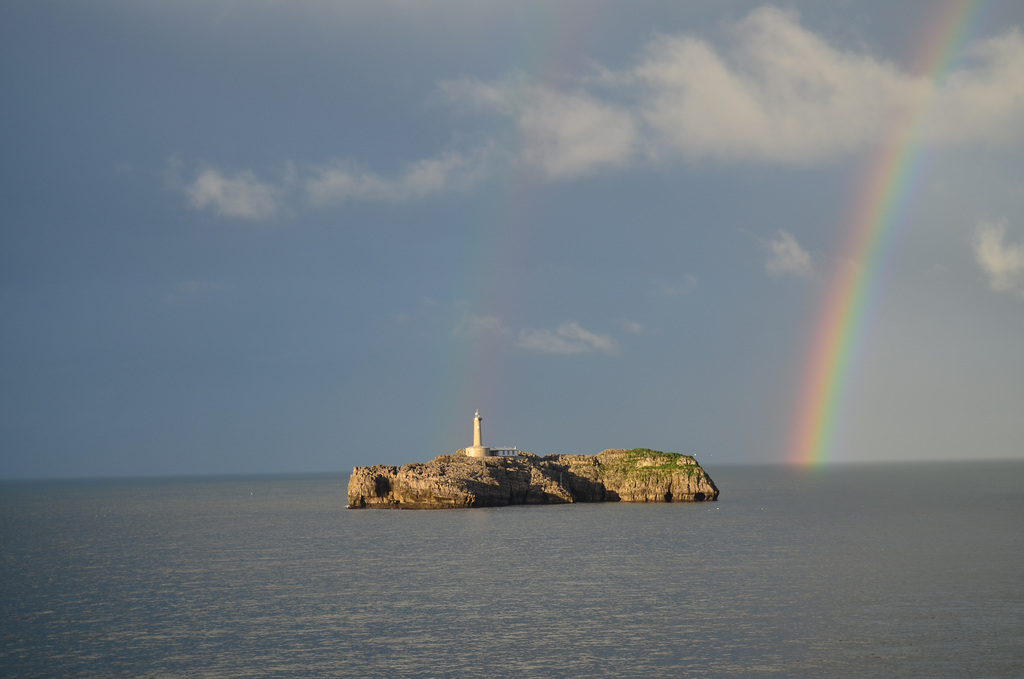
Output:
(644, 463)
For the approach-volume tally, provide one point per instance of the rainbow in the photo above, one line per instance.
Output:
(505, 225)
(881, 202)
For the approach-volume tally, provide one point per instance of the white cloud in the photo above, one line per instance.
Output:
(983, 101)
(632, 327)
(241, 195)
(785, 256)
(683, 285)
(472, 324)
(776, 92)
(481, 96)
(780, 93)
(340, 182)
(571, 135)
(568, 338)
(772, 92)
(563, 134)
(1003, 264)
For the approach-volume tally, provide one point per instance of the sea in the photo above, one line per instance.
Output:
(889, 570)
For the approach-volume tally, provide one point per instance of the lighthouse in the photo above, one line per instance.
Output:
(478, 449)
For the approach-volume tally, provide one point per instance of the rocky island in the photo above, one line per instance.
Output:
(466, 479)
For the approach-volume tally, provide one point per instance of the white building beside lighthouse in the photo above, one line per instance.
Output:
(478, 449)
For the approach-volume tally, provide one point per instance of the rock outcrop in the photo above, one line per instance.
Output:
(451, 481)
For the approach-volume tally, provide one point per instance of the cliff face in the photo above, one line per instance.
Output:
(450, 481)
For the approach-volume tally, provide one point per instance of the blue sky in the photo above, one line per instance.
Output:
(260, 237)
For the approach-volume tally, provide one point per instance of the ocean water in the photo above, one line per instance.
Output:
(863, 571)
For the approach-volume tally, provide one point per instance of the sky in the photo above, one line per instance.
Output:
(290, 237)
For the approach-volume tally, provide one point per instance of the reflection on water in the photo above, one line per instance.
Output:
(874, 571)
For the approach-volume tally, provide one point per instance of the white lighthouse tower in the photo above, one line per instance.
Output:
(478, 449)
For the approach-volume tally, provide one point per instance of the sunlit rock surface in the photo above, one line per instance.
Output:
(451, 481)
